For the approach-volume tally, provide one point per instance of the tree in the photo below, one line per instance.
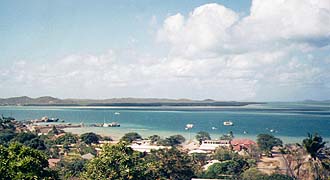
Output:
(253, 174)
(313, 145)
(84, 149)
(174, 140)
(36, 143)
(23, 137)
(90, 138)
(169, 164)
(223, 169)
(71, 168)
(116, 162)
(154, 138)
(30, 140)
(6, 123)
(6, 135)
(224, 154)
(266, 142)
(22, 162)
(278, 177)
(202, 136)
(130, 137)
(68, 138)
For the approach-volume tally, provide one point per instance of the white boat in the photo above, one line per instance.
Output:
(117, 113)
(228, 123)
(113, 124)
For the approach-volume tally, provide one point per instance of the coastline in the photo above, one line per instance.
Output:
(117, 133)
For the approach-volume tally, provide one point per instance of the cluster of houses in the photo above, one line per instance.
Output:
(207, 146)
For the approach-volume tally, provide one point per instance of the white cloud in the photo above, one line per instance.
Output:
(270, 47)
(285, 20)
(203, 30)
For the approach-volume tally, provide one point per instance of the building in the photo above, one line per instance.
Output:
(242, 144)
(211, 145)
(145, 146)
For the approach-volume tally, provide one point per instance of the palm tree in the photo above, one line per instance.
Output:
(313, 145)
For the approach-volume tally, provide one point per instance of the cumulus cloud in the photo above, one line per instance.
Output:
(270, 47)
(277, 52)
(204, 29)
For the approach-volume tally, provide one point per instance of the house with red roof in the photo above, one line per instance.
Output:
(242, 144)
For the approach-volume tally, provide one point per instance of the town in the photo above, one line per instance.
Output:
(56, 154)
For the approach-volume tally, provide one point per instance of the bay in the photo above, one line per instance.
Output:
(289, 121)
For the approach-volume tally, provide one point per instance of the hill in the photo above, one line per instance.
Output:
(51, 101)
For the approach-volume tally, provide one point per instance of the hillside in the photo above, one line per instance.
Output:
(51, 101)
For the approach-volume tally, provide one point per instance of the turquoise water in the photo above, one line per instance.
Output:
(289, 121)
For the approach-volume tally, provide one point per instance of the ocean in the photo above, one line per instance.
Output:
(289, 121)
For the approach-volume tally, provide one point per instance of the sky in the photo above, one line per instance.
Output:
(258, 50)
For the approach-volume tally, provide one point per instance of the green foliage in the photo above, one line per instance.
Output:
(130, 137)
(90, 138)
(71, 168)
(6, 123)
(22, 162)
(154, 138)
(116, 162)
(266, 142)
(230, 166)
(6, 135)
(68, 138)
(253, 174)
(202, 135)
(313, 145)
(36, 143)
(224, 154)
(224, 169)
(30, 140)
(169, 164)
(174, 140)
(279, 177)
(23, 137)
(53, 152)
(84, 149)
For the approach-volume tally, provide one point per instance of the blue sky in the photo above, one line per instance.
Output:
(226, 50)
(50, 29)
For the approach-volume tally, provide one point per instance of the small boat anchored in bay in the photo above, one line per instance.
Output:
(228, 123)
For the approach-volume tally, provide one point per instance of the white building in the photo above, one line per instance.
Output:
(145, 146)
(211, 145)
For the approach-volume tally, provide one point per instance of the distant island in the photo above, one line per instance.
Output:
(51, 101)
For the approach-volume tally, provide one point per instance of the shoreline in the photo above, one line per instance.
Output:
(117, 133)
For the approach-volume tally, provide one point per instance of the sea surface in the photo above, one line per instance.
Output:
(289, 121)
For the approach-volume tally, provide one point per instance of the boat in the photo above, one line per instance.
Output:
(228, 123)
(117, 113)
(113, 124)
(189, 126)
